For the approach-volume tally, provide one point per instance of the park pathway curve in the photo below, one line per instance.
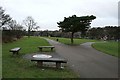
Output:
(86, 61)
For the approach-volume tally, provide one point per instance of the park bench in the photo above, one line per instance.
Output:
(15, 50)
(58, 61)
(41, 47)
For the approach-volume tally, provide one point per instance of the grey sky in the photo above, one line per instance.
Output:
(48, 12)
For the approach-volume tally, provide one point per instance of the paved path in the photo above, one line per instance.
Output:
(86, 61)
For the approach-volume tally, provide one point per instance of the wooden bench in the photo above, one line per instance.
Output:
(15, 50)
(57, 60)
(41, 47)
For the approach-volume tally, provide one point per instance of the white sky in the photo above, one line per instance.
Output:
(48, 12)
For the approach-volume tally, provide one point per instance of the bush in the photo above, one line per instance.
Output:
(11, 35)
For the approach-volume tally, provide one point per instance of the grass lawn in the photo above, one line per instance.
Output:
(107, 47)
(110, 47)
(17, 67)
(76, 41)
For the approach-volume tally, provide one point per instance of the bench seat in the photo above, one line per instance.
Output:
(41, 47)
(15, 50)
(57, 60)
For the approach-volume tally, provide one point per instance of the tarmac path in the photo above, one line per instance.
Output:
(86, 61)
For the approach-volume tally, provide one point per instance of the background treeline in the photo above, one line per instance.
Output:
(11, 30)
(105, 33)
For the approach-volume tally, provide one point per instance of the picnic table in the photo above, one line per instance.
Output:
(41, 47)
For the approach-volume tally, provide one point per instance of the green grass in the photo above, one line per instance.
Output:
(110, 48)
(76, 41)
(107, 47)
(17, 67)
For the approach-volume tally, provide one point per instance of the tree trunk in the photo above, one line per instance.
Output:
(72, 38)
(83, 34)
(28, 33)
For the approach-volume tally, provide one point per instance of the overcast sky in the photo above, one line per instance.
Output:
(48, 12)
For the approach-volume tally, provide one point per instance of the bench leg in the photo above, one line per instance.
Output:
(14, 53)
(51, 49)
(39, 63)
(58, 65)
(17, 52)
(40, 49)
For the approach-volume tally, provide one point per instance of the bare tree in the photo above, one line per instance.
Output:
(13, 25)
(30, 24)
(4, 18)
(36, 28)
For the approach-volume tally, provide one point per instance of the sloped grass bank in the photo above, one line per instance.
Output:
(110, 47)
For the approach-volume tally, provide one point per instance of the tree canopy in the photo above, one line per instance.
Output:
(110, 32)
(74, 24)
